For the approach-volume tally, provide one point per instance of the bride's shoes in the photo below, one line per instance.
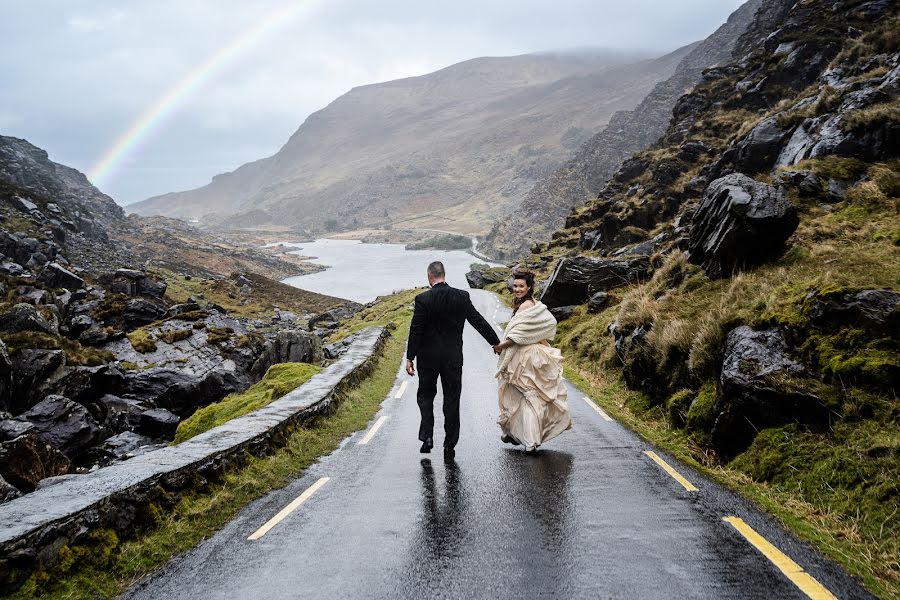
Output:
(506, 439)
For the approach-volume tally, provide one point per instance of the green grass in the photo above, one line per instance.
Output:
(108, 566)
(792, 478)
(389, 311)
(278, 381)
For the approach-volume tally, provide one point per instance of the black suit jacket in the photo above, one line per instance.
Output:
(435, 334)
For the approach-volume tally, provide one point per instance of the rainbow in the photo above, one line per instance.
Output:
(141, 128)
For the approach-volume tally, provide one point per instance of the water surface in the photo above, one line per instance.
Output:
(362, 272)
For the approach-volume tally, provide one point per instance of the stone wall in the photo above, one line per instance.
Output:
(34, 527)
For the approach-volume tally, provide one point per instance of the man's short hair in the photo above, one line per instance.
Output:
(436, 269)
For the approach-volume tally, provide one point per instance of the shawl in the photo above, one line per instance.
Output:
(528, 326)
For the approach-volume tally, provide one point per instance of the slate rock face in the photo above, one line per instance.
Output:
(576, 279)
(598, 302)
(867, 308)
(561, 313)
(57, 276)
(7, 491)
(159, 423)
(759, 150)
(6, 375)
(740, 222)
(27, 459)
(31, 370)
(24, 317)
(64, 424)
(756, 390)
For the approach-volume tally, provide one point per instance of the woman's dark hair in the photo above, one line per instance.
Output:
(528, 277)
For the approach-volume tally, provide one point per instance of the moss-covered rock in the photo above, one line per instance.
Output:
(678, 405)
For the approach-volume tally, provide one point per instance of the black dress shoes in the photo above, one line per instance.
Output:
(449, 453)
(427, 445)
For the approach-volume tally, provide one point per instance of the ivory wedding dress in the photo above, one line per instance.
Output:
(532, 395)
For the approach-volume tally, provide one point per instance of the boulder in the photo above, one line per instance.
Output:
(475, 279)
(159, 423)
(27, 459)
(598, 302)
(132, 282)
(128, 444)
(338, 348)
(121, 413)
(739, 223)
(86, 385)
(872, 309)
(331, 318)
(578, 278)
(759, 149)
(7, 491)
(11, 428)
(645, 248)
(561, 313)
(24, 317)
(760, 386)
(6, 377)
(79, 324)
(179, 391)
(32, 368)
(140, 312)
(66, 425)
(591, 240)
(57, 276)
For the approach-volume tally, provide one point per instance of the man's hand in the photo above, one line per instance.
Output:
(410, 368)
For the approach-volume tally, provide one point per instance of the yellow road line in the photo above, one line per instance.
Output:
(374, 429)
(288, 509)
(803, 580)
(402, 389)
(668, 469)
(599, 410)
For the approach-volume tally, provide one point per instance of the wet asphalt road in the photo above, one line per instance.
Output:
(588, 516)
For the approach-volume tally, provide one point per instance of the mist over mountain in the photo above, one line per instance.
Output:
(454, 149)
(581, 177)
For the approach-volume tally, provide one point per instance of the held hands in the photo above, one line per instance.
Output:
(497, 348)
(410, 368)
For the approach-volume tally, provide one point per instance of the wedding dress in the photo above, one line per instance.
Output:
(532, 395)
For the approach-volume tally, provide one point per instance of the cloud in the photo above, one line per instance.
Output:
(85, 24)
(74, 82)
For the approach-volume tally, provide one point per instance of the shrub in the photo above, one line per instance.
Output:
(278, 381)
(678, 405)
(174, 335)
(701, 415)
(142, 341)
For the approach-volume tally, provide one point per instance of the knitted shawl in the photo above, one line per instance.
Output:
(528, 326)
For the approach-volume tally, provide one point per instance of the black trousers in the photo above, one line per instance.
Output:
(451, 384)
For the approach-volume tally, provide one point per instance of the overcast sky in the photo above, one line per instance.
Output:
(76, 74)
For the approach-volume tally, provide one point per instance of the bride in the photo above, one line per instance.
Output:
(533, 407)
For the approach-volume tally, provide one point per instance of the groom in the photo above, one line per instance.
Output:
(435, 338)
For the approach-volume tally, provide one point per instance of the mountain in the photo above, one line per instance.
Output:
(453, 149)
(545, 206)
(733, 291)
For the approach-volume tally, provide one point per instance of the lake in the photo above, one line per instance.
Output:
(362, 272)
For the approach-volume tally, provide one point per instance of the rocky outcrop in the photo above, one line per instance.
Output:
(25, 317)
(35, 526)
(576, 279)
(27, 459)
(32, 369)
(65, 425)
(544, 208)
(761, 386)
(479, 278)
(740, 223)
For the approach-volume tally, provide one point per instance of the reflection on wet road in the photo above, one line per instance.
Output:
(589, 516)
